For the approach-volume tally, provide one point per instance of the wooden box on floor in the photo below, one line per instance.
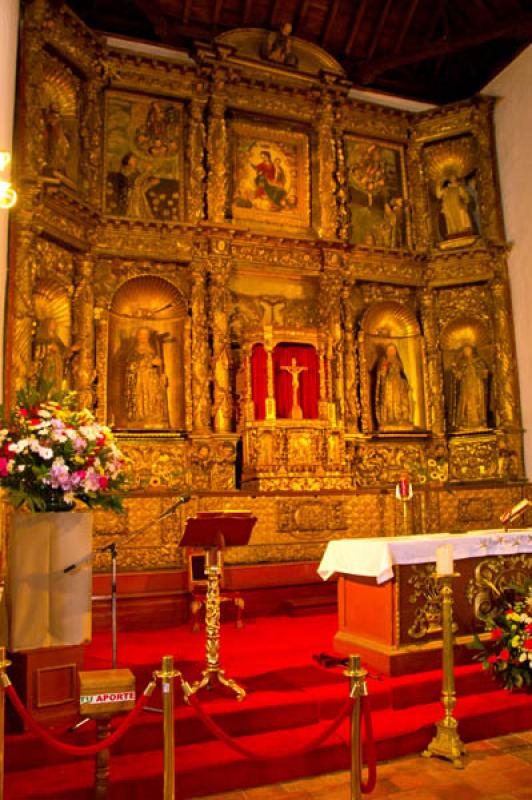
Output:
(46, 679)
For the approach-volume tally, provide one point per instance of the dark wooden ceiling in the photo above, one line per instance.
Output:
(434, 50)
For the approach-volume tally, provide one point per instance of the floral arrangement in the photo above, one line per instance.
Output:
(52, 455)
(508, 653)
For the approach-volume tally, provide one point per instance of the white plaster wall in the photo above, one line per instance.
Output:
(9, 10)
(513, 132)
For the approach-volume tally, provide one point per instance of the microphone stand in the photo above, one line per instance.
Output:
(112, 548)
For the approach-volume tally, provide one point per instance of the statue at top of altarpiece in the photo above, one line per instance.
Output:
(278, 47)
(468, 387)
(146, 394)
(392, 392)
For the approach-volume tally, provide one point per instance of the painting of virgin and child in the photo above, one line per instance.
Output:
(270, 176)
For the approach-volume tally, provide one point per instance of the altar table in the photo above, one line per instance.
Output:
(388, 602)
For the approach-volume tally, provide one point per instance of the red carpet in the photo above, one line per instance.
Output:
(290, 699)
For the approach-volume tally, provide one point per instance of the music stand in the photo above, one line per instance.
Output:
(212, 531)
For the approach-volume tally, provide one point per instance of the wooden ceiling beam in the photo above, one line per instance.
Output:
(520, 26)
(406, 25)
(378, 30)
(216, 13)
(331, 19)
(274, 12)
(246, 16)
(356, 26)
(186, 11)
(299, 16)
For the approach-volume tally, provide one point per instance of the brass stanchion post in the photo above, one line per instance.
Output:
(167, 675)
(4, 680)
(447, 743)
(358, 689)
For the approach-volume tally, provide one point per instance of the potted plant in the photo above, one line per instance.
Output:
(54, 459)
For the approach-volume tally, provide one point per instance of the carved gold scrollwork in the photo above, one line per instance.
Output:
(425, 587)
(492, 577)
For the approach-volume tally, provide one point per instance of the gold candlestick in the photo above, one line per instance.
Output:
(447, 743)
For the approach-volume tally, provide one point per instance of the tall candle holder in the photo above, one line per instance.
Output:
(404, 493)
(447, 743)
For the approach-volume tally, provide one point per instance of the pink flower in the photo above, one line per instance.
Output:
(504, 655)
(103, 481)
(3, 466)
(492, 659)
(497, 633)
(527, 644)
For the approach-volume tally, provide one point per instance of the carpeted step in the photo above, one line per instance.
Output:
(209, 766)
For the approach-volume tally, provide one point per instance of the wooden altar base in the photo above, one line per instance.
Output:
(395, 626)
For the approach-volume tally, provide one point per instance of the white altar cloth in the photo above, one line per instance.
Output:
(375, 558)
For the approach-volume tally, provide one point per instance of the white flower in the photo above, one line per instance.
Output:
(523, 657)
(90, 432)
(21, 467)
(46, 453)
(43, 413)
(20, 446)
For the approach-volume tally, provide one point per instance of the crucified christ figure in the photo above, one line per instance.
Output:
(296, 411)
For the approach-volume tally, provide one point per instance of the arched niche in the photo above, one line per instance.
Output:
(52, 350)
(468, 375)
(145, 373)
(392, 369)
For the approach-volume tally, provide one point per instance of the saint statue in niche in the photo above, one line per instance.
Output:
(469, 391)
(455, 203)
(392, 401)
(51, 355)
(146, 382)
(57, 142)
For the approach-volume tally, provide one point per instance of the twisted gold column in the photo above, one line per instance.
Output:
(212, 670)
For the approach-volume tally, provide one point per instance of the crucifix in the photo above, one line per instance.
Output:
(296, 411)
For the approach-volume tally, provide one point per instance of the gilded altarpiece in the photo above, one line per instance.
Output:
(179, 217)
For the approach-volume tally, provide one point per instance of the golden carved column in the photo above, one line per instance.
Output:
(507, 394)
(434, 367)
(491, 225)
(248, 411)
(271, 411)
(221, 347)
(340, 175)
(19, 361)
(323, 403)
(352, 409)
(31, 134)
(199, 353)
(195, 161)
(83, 327)
(91, 134)
(326, 168)
(421, 224)
(216, 151)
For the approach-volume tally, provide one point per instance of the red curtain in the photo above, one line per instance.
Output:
(308, 393)
(259, 380)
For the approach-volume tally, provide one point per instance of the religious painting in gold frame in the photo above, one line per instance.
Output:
(269, 176)
(377, 193)
(143, 157)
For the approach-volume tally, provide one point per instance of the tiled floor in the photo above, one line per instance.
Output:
(495, 769)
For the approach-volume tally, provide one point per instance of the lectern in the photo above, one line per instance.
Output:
(213, 531)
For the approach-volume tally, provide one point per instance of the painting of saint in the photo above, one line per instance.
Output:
(377, 200)
(270, 176)
(144, 158)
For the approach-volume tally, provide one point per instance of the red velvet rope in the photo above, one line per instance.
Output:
(71, 749)
(248, 752)
(371, 751)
